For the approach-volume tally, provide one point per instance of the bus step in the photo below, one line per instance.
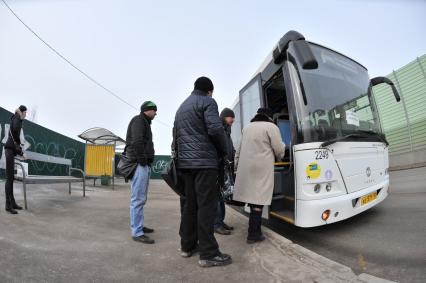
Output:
(285, 215)
(275, 197)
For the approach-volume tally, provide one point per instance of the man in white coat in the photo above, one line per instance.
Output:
(261, 145)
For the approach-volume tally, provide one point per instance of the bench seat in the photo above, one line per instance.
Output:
(39, 179)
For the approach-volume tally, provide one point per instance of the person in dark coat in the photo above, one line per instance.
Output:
(140, 148)
(12, 148)
(200, 143)
(227, 116)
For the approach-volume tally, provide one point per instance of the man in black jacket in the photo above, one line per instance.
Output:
(12, 148)
(200, 143)
(140, 148)
(227, 117)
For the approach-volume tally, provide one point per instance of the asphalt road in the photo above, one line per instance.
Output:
(388, 241)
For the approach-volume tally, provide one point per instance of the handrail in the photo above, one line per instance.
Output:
(282, 163)
(24, 173)
(77, 169)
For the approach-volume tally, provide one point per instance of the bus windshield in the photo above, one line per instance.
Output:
(338, 100)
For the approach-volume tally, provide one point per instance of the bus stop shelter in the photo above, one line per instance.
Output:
(99, 160)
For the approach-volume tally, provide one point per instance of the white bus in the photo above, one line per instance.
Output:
(336, 163)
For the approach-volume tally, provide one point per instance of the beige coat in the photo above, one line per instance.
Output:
(261, 145)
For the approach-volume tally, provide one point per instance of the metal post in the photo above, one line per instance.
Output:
(24, 185)
(113, 167)
(421, 67)
(69, 184)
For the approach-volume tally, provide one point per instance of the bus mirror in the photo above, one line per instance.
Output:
(305, 55)
(381, 80)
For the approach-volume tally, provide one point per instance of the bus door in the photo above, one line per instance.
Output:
(275, 97)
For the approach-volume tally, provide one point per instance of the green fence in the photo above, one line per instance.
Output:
(404, 123)
(160, 162)
(45, 141)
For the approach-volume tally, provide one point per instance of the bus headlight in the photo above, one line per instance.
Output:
(317, 188)
(328, 187)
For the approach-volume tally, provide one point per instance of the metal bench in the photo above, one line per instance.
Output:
(38, 179)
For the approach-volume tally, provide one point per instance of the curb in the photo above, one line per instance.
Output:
(304, 256)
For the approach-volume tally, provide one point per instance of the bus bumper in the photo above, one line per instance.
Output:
(308, 213)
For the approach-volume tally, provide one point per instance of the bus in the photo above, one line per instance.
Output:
(336, 163)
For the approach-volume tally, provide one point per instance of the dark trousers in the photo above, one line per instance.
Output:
(220, 214)
(199, 212)
(10, 173)
(255, 221)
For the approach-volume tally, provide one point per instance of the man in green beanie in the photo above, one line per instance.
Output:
(140, 148)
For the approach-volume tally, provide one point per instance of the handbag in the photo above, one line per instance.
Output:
(18, 147)
(227, 190)
(126, 166)
(170, 174)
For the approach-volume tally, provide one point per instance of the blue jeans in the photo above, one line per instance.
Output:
(139, 188)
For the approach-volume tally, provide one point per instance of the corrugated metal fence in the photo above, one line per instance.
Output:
(404, 123)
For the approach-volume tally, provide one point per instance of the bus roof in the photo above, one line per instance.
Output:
(269, 59)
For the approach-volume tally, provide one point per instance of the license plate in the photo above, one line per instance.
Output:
(368, 198)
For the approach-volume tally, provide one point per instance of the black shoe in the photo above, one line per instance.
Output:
(15, 206)
(11, 210)
(189, 253)
(222, 231)
(227, 227)
(144, 239)
(252, 240)
(219, 260)
(147, 230)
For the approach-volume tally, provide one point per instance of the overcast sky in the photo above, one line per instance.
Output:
(154, 50)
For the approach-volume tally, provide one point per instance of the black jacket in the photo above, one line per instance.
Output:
(229, 144)
(200, 138)
(15, 130)
(139, 145)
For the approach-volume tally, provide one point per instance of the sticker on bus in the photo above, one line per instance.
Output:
(313, 170)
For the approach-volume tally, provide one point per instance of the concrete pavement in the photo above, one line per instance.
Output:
(64, 238)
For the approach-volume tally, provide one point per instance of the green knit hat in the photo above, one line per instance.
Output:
(148, 105)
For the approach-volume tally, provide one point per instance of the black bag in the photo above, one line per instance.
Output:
(227, 189)
(18, 148)
(170, 173)
(126, 166)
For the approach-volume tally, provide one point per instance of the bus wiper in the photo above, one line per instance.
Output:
(354, 135)
(372, 133)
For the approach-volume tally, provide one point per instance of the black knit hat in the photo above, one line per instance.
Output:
(266, 111)
(203, 84)
(148, 105)
(226, 112)
(22, 108)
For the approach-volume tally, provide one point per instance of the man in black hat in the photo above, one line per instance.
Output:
(140, 148)
(227, 116)
(200, 143)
